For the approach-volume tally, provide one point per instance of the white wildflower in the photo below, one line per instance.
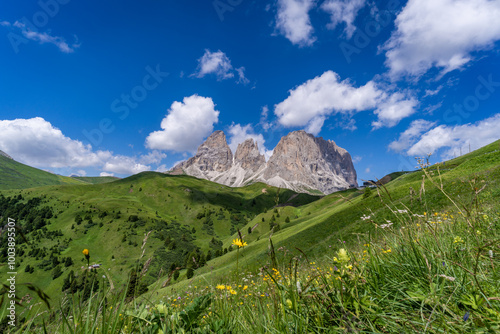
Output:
(299, 289)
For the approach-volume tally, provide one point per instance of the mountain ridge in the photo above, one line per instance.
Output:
(300, 162)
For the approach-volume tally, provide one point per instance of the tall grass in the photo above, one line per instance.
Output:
(421, 272)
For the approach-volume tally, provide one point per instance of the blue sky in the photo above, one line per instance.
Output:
(120, 87)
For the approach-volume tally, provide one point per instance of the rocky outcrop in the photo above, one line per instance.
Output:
(246, 164)
(248, 156)
(300, 162)
(212, 158)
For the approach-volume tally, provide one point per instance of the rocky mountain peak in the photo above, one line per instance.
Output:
(248, 156)
(215, 140)
(300, 162)
(213, 156)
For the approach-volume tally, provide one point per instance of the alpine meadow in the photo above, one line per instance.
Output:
(232, 166)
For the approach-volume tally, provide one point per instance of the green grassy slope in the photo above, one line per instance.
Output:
(121, 214)
(96, 179)
(323, 226)
(191, 212)
(15, 175)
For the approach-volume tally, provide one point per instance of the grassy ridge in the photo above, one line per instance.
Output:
(16, 175)
(95, 179)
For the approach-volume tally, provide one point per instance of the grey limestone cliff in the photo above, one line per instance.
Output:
(300, 162)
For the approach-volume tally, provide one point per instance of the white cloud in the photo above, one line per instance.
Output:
(411, 135)
(431, 92)
(238, 134)
(441, 34)
(106, 174)
(356, 159)
(38, 143)
(124, 165)
(394, 109)
(185, 126)
(293, 21)
(215, 63)
(162, 169)
(81, 172)
(343, 11)
(219, 64)
(43, 37)
(457, 137)
(241, 76)
(263, 118)
(310, 103)
(153, 157)
(314, 126)
(322, 96)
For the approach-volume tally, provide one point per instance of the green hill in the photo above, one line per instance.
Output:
(95, 179)
(151, 223)
(15, 175)
(184, 215)
(324, 225)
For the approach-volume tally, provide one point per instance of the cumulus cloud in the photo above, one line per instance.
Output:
(106, 174)
(219, 64)
(310, 103)
(238, 134)
(153, 157)
(215, 63)
(36, 142)
(186, 125)
(42, 37)
(441, 34)
(455, 138)
(393, 109)
(411, 135)
(293, 21)
(343, 11)
(124, 165)
(314, 126)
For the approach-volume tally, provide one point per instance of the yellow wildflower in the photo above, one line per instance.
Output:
(239, 243)
(85, 252)
(220, 287)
